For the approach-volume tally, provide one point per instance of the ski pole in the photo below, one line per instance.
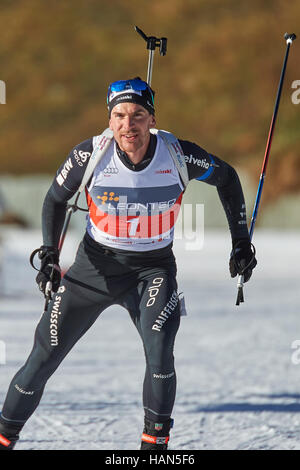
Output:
(71, 209)
(152, 44)
(289, 39)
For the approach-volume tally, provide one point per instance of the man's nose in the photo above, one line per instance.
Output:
(128, 122)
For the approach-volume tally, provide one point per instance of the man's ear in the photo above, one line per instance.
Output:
(152, 122)
(110, 125)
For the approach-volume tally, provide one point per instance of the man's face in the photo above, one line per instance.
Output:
(130, 124)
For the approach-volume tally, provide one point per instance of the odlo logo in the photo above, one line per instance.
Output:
(154, 290)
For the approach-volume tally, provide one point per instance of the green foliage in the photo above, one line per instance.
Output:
(216, 86)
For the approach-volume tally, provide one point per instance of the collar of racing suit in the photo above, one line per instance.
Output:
(147, 157)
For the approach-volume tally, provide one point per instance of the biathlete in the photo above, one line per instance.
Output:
(125, 257)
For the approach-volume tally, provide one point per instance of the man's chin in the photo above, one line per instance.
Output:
(130, 146)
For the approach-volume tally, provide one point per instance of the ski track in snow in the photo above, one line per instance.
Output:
(237, 385)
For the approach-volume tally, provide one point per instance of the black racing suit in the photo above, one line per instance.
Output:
(142, 282)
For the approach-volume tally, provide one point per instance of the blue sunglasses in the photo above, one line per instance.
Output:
(123, 85)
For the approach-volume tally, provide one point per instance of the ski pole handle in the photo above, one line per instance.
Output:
(290, 37)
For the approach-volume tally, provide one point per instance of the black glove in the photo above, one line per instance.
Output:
(49, 270)
(242, 258)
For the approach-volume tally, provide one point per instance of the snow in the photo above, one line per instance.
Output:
(237, 372)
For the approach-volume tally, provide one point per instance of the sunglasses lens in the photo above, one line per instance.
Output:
(123, 85)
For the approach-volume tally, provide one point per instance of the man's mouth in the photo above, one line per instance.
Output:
(129, 137)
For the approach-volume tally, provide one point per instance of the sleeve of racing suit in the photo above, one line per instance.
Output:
(64, 186)
(210, 169)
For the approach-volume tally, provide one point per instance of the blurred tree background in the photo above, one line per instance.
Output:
(216, 86)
